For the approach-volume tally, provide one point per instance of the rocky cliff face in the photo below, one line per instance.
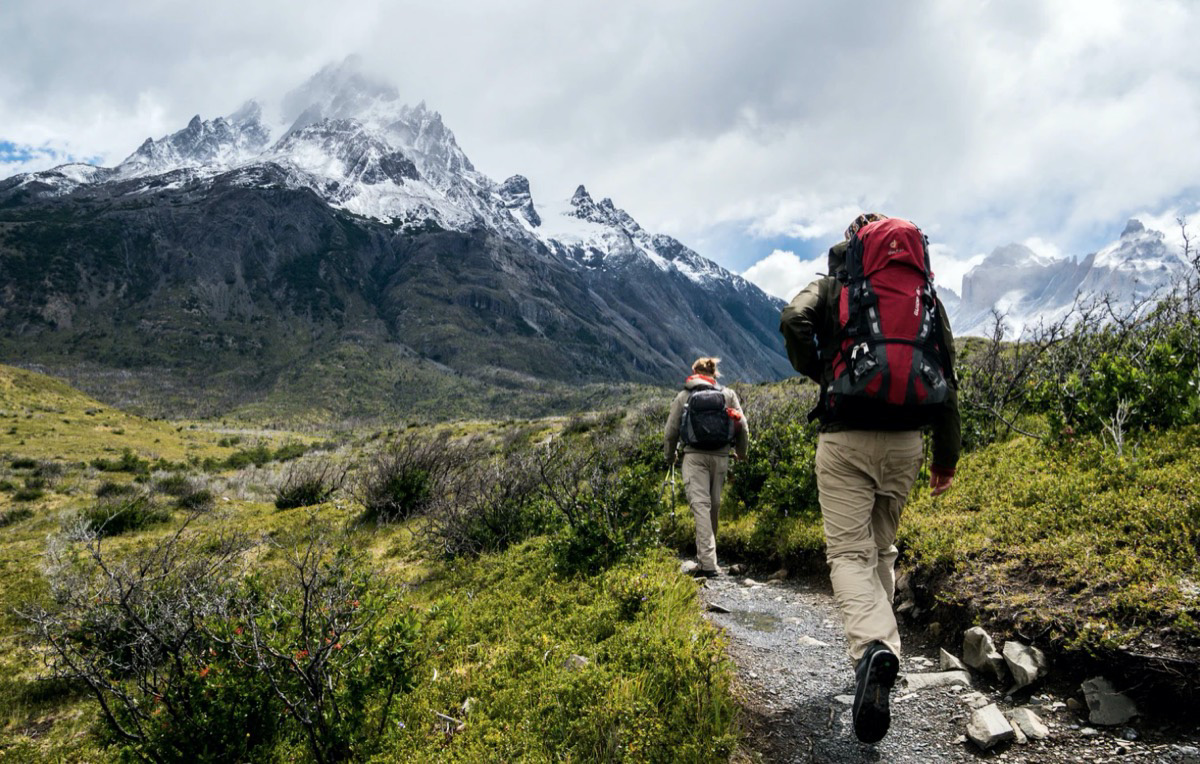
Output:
(237, 251)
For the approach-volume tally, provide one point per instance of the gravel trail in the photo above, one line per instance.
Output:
(797, 685)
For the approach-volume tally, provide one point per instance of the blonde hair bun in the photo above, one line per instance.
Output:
(707, 367)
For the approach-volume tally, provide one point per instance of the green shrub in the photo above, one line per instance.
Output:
(195, 664)
(15, 515)
(23, 463)
(196, 500)
(175, 485)
(309, 484)
(7, 485)
(408, 476)
(122, 514)
(496, 505)
(609, 513)
(257, 455)
(109, 489)
(289, 451)
(129, 462)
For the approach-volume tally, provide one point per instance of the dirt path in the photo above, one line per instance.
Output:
(797, 686)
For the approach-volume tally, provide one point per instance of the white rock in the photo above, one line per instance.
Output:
(778, 575)
(689, 567)
(575, 662)
(808, 641)
(1105, 705)
(918, 682)
(1019, 736)
(1029, 723)
(988, 727)
(948, 662)
(750, 582)
(979, 652)
(846, 700)
(1027, 664)
(975, 699)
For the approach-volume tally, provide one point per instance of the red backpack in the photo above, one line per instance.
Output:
(891, 369)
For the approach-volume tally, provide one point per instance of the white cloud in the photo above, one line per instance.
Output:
(1057, 120)
(783, 274)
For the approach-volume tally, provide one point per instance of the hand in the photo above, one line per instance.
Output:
(940, 481)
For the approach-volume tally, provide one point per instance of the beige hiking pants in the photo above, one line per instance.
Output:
(703, 479)
(864, 478)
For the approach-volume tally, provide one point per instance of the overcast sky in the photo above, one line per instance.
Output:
(753, 131)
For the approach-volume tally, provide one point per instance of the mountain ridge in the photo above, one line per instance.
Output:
(215, 253)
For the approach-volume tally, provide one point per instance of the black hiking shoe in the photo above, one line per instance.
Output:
(708, 573)
(876, 674)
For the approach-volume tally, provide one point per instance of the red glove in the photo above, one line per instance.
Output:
(940, 479)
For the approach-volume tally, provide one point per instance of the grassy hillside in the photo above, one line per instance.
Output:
(526, 651)
(43, 418)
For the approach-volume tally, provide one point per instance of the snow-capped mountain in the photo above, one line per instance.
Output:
(259, 246)
(211, 145)
(1028, 287)
(352, 141)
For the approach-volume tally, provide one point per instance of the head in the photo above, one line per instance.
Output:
(862, 220)
(707, 367)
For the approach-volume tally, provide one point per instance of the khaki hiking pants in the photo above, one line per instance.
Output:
(703, 479)
(864, 477)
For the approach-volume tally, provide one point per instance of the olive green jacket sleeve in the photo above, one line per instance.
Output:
(947, 428)
(802, 323)
(671, 436)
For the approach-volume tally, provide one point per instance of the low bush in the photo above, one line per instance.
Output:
(174, 485)
(308, 484)
(122, 514)
(410, 475)
(192, 656)
(609, 510)
(196, 500)
(15, 515)
(23, 463)
(108, 489)
(129, 462)
(497, 505)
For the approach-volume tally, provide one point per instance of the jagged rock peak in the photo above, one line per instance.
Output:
(580, 195)
(516, 197)
(517, 184)
(1133, 227)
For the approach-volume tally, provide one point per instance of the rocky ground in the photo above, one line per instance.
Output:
(797, 688)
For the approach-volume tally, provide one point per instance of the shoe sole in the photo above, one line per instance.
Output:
(874, 716)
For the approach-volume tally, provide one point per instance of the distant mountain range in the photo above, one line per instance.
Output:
(343, 252)
(1029, 288)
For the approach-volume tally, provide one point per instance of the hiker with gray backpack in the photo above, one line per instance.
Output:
(874, 336)
(707, 419)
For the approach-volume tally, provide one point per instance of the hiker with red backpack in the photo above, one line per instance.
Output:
(875, 337)
(708, 420)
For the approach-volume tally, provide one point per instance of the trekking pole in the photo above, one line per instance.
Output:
(668, 498)
(672, 491)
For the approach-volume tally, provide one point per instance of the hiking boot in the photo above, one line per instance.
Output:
(708, 573)
(876, 674)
